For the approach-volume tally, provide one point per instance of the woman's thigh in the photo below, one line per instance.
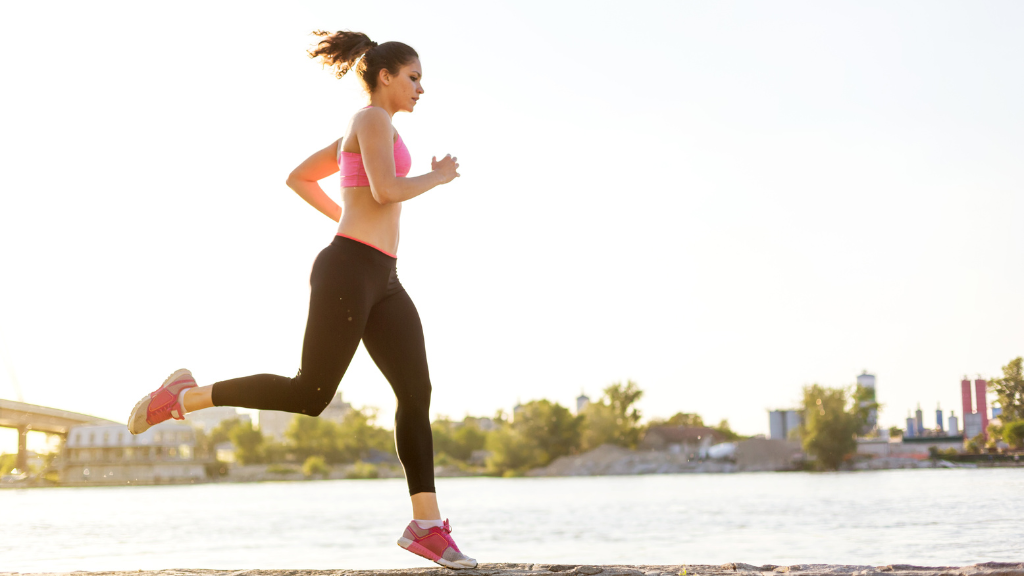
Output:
(393, 335)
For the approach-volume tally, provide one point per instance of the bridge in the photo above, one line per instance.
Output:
(26, 417)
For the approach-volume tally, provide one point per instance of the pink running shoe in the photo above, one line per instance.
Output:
(435, 543)
(161, 405)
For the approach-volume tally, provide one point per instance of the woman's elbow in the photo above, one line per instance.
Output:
(381, 195)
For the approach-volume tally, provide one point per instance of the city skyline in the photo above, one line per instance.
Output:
(721, 203)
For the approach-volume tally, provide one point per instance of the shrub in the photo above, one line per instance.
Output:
(315, 466)
(363, 471)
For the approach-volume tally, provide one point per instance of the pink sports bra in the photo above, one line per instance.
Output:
(354, 174)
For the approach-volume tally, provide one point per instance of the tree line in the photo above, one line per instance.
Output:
(506, 445)
(541, 430)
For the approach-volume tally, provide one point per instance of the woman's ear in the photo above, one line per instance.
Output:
(384, 77)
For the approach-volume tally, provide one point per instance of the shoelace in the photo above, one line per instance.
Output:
(446, 526)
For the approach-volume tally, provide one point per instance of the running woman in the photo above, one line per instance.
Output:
(355, 293)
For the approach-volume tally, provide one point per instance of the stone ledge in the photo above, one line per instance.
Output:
(509, 569)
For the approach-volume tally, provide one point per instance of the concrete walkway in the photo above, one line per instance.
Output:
(986, 569)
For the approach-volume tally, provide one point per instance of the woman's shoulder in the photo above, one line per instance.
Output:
(372, 121)
(372, 115)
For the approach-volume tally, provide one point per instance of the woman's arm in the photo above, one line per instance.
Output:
(376, 144)
(305, 180)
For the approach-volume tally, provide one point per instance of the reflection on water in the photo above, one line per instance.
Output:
(929, 517)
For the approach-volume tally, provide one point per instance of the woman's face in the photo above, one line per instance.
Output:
(405, 88)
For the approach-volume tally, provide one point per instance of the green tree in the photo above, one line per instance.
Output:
(457, 440)
(829, 425)
(895, 431)
(622, 399)
(614, 419)
(1013, 434)
(511, 453)
(357, 435)
(312, 436)
(599, 426)
(726, 431)
(540, 432)
(687, 419)
(1010, 390)
(975, 445)
(220, 433)
(248, 443)
(550, 426)
(863, 404)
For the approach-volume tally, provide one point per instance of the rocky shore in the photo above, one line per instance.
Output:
(732, 569)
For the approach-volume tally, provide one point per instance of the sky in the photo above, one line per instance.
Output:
(721, 201)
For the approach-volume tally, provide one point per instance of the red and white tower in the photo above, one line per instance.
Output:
(980, 388)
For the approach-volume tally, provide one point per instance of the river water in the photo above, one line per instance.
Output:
(928, 517)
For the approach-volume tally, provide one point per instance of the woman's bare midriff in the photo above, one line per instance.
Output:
(364, 218)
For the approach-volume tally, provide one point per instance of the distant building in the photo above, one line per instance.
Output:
(938, 418)
(954, 425)
(867, 381)
(336, 410)
(911, 425)
(980, 391)
(976, 417)
(109, 454)
(781, 423)
(209, 418)
(972, 425)
(274, 423)
(581, 402)
(918, 421)
(997, 411)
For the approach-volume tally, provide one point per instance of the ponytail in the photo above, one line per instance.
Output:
(341, 51)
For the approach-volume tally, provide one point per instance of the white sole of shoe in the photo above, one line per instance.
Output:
(137, 423)
(405, 543)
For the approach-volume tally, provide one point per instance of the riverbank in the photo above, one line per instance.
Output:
(506, 569)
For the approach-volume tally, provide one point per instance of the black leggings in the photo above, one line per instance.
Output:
(354, 294)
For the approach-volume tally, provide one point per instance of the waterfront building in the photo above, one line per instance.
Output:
(918, 421)
(867, 382)
(911, 425)
(782, 423)
(109, 454)
(976, 419)
(972, 425)
(954, 425)
(938, 418)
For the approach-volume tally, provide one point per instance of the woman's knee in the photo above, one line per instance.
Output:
(313, 394)
(415, 403)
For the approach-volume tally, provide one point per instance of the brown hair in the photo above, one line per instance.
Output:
(341, 49)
